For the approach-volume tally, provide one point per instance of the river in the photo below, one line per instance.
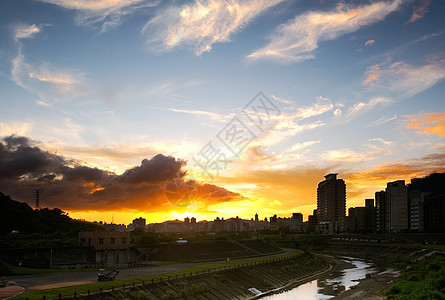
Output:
(330, 285)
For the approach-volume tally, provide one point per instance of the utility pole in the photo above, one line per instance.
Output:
(37, 199)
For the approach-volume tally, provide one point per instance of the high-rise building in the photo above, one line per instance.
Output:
(380, 204)
(331, 203)
(396, 206)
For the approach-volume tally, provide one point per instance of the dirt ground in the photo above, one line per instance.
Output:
(370, 288)
(10, 291)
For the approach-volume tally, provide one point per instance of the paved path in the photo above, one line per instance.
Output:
(56, 280)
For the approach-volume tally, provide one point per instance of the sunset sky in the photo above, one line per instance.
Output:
(172, 109)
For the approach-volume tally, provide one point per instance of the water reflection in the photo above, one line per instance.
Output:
(329, 286)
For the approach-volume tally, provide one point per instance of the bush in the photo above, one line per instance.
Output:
(139, 295)
(170, 295)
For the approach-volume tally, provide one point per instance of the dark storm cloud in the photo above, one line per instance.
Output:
(82, 173)
(67, 184)
(18, 158)
(159, 168)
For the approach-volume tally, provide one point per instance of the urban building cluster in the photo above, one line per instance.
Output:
(418, 207)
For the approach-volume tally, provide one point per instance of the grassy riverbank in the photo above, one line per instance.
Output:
(421, 280)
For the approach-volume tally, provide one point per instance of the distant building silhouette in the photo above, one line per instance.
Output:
(362, 219)
(331, 204)
(312, 221)
(396, 206)
(139, 223)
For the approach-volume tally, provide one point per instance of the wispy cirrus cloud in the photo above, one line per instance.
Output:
(201, 24)
(374, 148)
(345, 115)
(382, 120)
(285, 101)
(46, 81)
(171, 88)
(25, 31)
(361, 107)
(202, 113)
(427, 123)
(284, 127)
(296, 40)
(405, 79)
(369, 43)
(107, 13)
(419, 11)
(302, 146)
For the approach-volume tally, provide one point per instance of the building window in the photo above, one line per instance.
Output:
(101, 241)
(124, 240)
(113, 241)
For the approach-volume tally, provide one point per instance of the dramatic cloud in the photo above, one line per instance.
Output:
(406, 79)
(378, 176)
(419, 11)
(69, 185)
(201, 24)
(107, 13)
(429, 123)
(296, 40)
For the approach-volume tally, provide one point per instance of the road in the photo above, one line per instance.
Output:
(56, 280)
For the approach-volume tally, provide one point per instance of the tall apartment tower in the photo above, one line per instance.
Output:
(396, 206)
(380, 204)
(331, 202)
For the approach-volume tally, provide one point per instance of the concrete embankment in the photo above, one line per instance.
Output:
(226, 284)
